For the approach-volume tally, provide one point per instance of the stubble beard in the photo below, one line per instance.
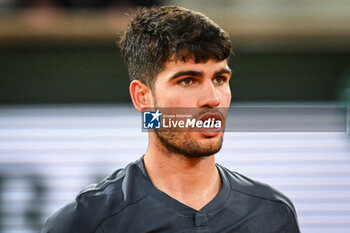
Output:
(182, 143)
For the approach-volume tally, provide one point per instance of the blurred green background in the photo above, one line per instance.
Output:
(97, 74)
(58, 52)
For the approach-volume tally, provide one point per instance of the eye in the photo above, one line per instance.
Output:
(220, 79)
(186, 81)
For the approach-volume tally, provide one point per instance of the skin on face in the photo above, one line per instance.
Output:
(175, 161)
(191, 85)
(195, 85)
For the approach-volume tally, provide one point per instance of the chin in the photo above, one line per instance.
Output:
(191, 145)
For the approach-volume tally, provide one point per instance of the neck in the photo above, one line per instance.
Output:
(192, 181)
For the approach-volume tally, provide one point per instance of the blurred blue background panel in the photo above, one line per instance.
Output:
(66, 118)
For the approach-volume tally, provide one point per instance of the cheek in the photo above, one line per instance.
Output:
(229, 93)
(172, 102)
(167, 99)
(226, 94)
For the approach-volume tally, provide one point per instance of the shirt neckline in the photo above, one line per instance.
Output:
(217, 203)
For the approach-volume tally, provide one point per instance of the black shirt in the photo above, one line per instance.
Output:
(128, 202)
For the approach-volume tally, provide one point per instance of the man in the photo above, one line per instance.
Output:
(177, 58)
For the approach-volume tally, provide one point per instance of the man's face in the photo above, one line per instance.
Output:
(192, 85)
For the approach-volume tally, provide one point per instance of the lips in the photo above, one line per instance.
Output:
(214, 131)
(212, 116)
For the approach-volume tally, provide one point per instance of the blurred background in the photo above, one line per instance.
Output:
(66, 118)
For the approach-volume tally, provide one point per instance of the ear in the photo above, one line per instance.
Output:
(141, 95)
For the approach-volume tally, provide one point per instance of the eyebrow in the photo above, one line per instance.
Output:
(223, 71)
(198, 73)
(186, 73)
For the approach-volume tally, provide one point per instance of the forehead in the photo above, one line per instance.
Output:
(207, 68)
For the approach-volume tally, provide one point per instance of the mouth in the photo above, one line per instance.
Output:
(211, 119)
(211, 116)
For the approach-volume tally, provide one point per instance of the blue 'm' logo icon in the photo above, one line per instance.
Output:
(151, 120)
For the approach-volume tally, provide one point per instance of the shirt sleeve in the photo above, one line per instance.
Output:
(62, 221)
(99, 230)
(293, 226)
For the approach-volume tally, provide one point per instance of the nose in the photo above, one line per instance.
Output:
(208, 96)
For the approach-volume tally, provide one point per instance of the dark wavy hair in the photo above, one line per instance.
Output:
(160, 34)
